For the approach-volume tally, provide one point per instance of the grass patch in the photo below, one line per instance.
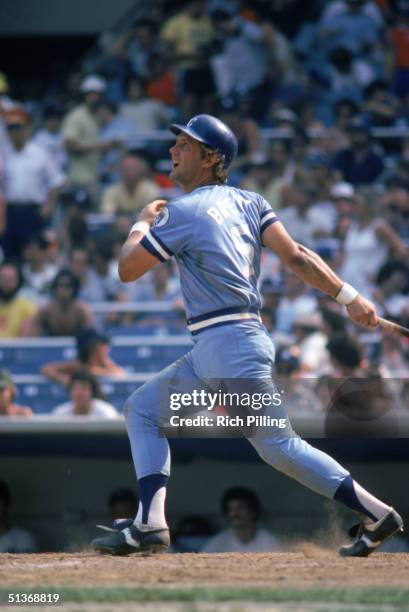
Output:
(374, 595)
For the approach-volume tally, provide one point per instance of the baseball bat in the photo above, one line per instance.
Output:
(393, 327)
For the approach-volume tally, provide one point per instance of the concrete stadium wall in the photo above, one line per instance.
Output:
(62, 499)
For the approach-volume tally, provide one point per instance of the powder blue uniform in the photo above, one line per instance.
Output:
(215, 234)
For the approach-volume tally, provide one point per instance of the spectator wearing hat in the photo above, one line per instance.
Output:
(92, 356)
(360, 164)
(51, 137)
(133, 191)
(81, 130)
(12, 539)
(241, 507)
(8, 392)
(64, 314)
(17, 313)
(31, 183)
(85, 399)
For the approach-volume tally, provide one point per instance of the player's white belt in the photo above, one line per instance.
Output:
(221, 317)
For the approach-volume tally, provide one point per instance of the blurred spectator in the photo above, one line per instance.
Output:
(381, 107)
(334, 8)
(92, 286)
(191, 534)
(346, 355)
(140, 111)
(50, 137)
(161, 83)
(305, 223)
(246, 61)
(8, 393)
(234, 112)
(241, 507)
(32, 180)
(162, 285)
(351, 26)
(393, 361)
(264, 178)
(12, 539)
(112, 128)
(64, 314)
(299, 396)
(137, 45)
(105, 269)
(75, 204)
(16, 313)
(38, 272)
(134, 191)
(188, 36)
(271, 293)
(85, 399)
(345, 111)
(345, 74)
(81, 136)
(296, 300)
(360, 164)
(5, 104)
(122, 503)
(92, 357)
(366, 245)
(311, 342)
(392, 290)
(399, 36)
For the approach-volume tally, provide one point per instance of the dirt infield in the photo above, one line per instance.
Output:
(310, 567)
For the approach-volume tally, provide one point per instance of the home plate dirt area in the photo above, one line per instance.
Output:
(311, 578)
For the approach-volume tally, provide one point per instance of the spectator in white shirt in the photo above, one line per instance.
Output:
(31, 184)
(242, 509)
(85, 399)
(51, 137)
(12, 539)
(38, 273)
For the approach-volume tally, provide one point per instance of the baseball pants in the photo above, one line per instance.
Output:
(231, 355)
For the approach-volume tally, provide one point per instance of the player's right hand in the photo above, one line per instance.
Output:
(363, 312)
(151, 211)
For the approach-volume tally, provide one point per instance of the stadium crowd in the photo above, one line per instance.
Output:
(318, 97)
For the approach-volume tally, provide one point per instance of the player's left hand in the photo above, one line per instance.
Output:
(363, 312)
(151, 211)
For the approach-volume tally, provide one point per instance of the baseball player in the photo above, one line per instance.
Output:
(216, 233)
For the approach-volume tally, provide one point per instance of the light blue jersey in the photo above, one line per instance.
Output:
(215, 234)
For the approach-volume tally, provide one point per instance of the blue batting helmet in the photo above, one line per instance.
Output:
(213, 133)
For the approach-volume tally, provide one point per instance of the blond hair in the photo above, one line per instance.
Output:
(219, 168)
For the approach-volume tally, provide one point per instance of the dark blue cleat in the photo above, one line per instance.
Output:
(371, 535)
(131, 540)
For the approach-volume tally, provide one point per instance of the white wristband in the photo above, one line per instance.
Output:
(346, 294)
(140, 226)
